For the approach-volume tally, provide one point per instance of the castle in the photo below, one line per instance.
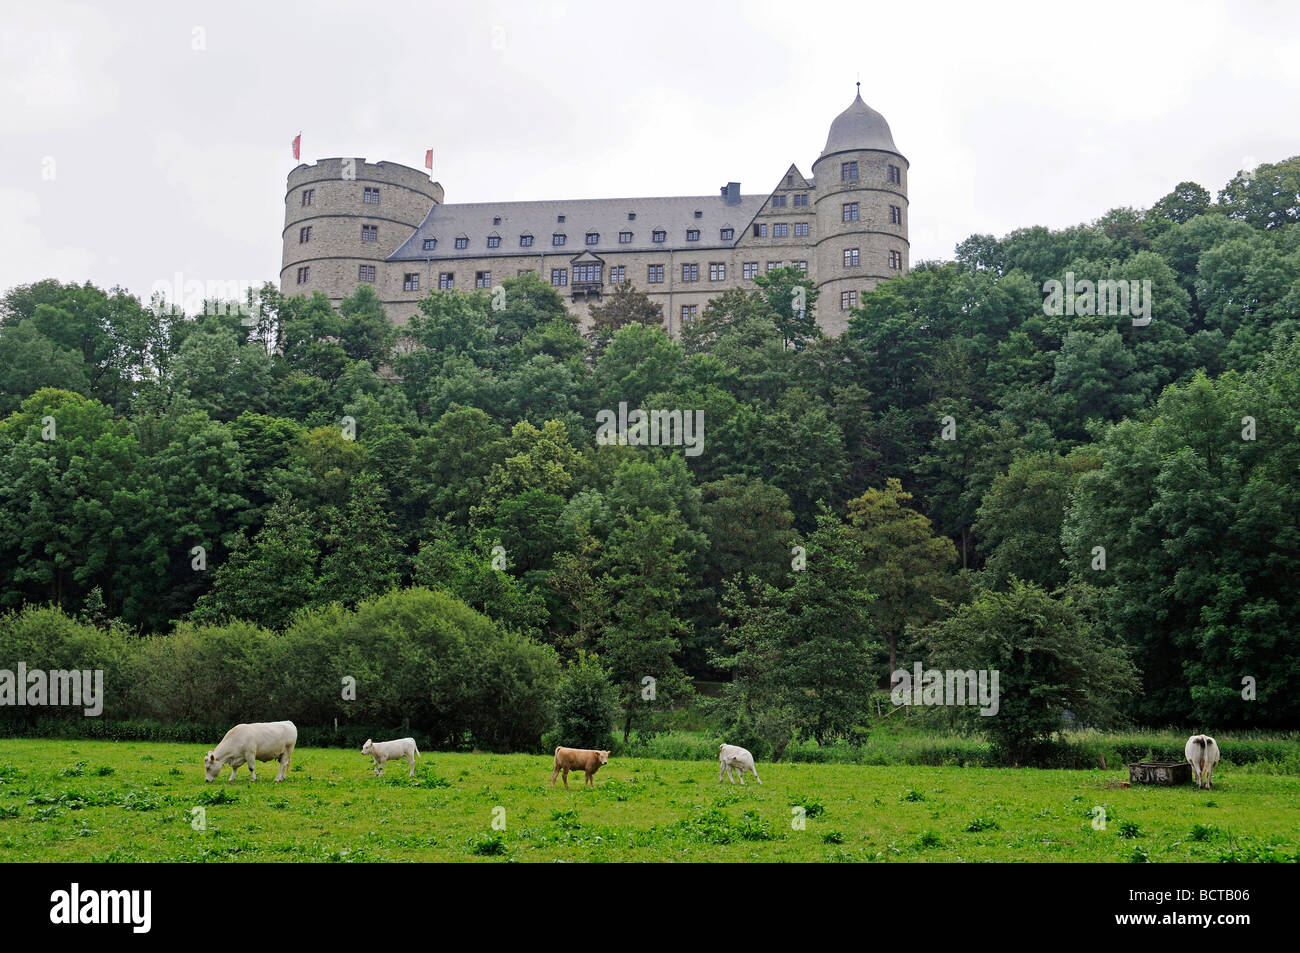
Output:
(349, 222)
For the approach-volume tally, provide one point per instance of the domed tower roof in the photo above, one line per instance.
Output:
(859, 127)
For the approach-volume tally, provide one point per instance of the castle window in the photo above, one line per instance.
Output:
(896, 259)
(760, 231)
(446, 280)
(303, 274)
(496, 219)
(617, 274)
(727, 234)
(801, 200)
(631, 216)
(559, 277)
(778, 201)
(524, 271)
(482, 279)
(717, 271)
(781, 230)
(895, 175)
(525, 241)
(370, 233)
(699, 214)
(749, 270)
(692, 234)
(848, 299)
(593, 238)
(370, 196)
(625, 238)
(689, 311)
(307, 196)
(559, 219)
(462, 242)
(410, 281)
(430, 244)
(850, 212)
(801, 229)
(659, 235)
(558, 239)
(848, 171)
(304, 235)
(850, 258)
(655, 274)
(771, 265)
(895, 215)
(366, 273)
(801, 265)
(494, 241)
(789, 181)
(586, 273)
(690, 272)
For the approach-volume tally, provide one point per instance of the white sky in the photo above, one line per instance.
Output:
(129, 154)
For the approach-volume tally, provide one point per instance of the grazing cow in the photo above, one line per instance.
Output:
(385, 751)
(735, 757)
(248, 744)
(571, 759)
(1203, 753)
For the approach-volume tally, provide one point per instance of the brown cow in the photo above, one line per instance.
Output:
(571, 759)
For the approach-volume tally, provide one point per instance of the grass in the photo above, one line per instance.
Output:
(141, 801)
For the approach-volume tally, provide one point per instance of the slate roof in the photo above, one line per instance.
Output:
(605, 217)
(859, 127)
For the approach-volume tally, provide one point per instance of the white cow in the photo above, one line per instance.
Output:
(248, 744)
(385, 751)
(735, 757)
(1203, 753)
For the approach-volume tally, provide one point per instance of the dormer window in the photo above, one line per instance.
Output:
(496, 219)
(494, 241)
(525, 241)
(558, 239)
(692, 234)
(659, 235)
(631, 216)
(430, 244)
(727, 234)
(559, 219)
(462, 242)
(593, 238)
(699, 214)
(625, 238)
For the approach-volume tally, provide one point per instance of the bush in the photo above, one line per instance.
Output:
(586, 704)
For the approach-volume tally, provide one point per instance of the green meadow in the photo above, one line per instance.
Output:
(126, 801)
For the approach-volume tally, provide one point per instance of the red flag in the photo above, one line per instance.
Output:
(428, 159)
(297, 143)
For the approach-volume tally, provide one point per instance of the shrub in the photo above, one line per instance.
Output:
(586, 704)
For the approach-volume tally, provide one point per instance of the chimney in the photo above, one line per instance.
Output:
(731, 193)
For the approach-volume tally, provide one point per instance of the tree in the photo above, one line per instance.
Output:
(905, 566)
(1049, 656)
(791, 298)
(586, 705)
(1266, 197)
(625, 306)
(1020, 517)
(1183, 204)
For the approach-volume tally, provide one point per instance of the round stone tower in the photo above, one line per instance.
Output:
(343, 217)
(860, 184)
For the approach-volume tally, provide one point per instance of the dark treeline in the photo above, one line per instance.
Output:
(1089, 502)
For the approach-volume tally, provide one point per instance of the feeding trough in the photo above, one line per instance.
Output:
(1160, 772)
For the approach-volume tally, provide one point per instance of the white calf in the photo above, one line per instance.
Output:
(385, 751)
(735, 757)
(1203, 753)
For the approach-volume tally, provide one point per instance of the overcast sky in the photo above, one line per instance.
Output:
(145, 139)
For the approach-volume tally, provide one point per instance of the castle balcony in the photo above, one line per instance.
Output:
(581, 290)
